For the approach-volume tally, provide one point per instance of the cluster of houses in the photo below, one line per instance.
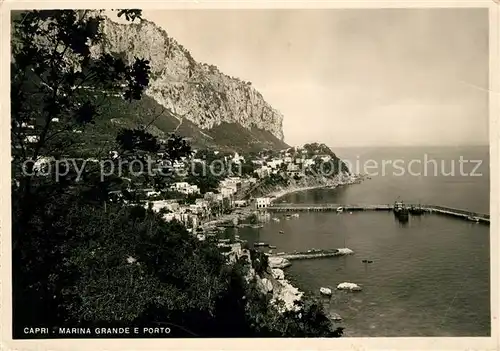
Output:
(291, 162)
(207, 205)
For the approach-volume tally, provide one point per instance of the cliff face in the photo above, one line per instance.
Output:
(191, 90)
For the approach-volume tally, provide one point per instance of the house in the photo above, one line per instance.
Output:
(252, 180)
(262, 172)
(171, 216)
(275, 163)
(209, 196)
(237, 158)
(170, 205)
(325, 158)
(32, 139)
(202, 203)
(308, 162)
(185, 188)
(231, 182)
(26, 125)
(178, 165)
(151, 193)
(179, 186)
(262, 202)
(193, 189)
(196, 208)
(227, 192)
(240, 203)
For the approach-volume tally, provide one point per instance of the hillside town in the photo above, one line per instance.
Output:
(185, 201)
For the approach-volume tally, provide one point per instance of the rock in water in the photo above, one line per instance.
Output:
(349, 286)
(325, 291)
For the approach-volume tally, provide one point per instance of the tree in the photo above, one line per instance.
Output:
(57, 88)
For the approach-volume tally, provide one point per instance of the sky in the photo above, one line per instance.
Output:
(356, 77)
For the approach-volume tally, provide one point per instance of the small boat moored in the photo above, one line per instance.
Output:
(260, 244)
(336, 317)
(340, 209)
(473, 219)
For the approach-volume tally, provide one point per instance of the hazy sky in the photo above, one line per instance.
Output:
(353, 77)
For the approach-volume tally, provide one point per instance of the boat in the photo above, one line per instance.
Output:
(473, 219)
(260, 244)
(401, 211)
(340, 209)
(282, 232)
(367, 261)
(295, 215)
(272, 246)
(276, 219)
(336, 317)
(325, 291)
(416, 210)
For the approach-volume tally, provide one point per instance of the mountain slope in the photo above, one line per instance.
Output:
(215, 109)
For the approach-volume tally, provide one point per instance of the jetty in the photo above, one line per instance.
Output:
(443, 210)
(304, 255)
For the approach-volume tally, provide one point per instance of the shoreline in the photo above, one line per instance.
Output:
(277, 194)
(245, 212)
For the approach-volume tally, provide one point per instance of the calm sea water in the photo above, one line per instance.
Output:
(428, 278)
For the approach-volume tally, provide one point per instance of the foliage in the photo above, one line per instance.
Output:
(259, 261)
(201, 176)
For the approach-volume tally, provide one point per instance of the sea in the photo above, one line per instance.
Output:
(430, 277)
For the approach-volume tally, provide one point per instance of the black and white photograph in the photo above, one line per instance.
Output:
(226, 173)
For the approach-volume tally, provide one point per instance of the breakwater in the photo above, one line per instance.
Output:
(443, 210)
(309, 254)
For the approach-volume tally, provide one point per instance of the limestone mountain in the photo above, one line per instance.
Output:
(199, 102)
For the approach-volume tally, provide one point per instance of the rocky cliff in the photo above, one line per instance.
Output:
(194, 91)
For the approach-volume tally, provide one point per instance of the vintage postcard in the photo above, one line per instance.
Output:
(272, 175)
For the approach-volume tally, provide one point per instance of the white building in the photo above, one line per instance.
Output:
(274, 163)
(202, 202)
(237, 158)
(262, 172)
(240, 203)
(170, 205)
(308, 162)
(185, 188)
(152, 193)
(227, 191)
(262, 202)
(32, 138)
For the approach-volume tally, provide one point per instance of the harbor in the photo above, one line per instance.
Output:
(443, 210)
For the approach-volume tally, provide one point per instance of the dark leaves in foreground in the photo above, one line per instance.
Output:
(137, 139)
(130, 15)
